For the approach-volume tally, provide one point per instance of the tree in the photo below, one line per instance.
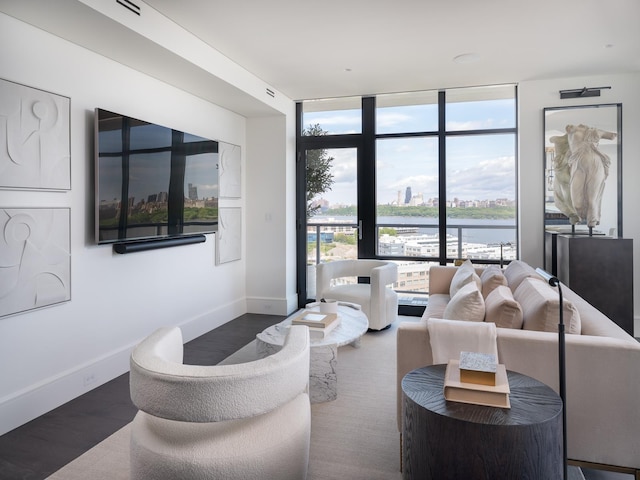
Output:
(318, 168)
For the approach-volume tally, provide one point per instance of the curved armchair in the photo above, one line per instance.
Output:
(378, 302)
(245, 421)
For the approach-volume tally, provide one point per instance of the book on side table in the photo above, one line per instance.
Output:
(489, 395)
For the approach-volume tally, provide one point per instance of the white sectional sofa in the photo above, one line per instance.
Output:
(602, 368)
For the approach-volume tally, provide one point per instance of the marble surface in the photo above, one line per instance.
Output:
(323, 379)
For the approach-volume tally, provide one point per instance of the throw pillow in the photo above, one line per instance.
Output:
(467, 304)
(491, 278)
(502, 309)
(540, 302)
(516, 272)
(465, 274)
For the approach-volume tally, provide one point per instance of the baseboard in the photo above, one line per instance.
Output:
(268, 306)
(25, 405)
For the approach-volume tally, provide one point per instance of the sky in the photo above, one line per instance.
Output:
(478, 168)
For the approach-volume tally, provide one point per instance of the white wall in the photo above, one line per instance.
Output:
(533, 97)
(48, 355)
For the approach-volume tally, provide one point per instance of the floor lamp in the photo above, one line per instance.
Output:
(554, 282)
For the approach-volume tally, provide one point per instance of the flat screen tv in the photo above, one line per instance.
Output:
(152, 182)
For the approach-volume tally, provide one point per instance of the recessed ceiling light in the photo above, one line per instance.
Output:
(467, 58)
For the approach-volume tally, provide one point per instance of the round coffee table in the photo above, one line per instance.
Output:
(449, 440)
(323, 379)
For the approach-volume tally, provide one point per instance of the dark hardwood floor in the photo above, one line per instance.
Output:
(44, 445)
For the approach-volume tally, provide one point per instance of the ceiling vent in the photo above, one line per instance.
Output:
(132, 7)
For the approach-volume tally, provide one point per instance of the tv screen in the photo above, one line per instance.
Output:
(152, 181)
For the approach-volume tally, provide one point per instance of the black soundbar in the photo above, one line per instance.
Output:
(152, 244)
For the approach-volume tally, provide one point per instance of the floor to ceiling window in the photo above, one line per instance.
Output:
(418, 178)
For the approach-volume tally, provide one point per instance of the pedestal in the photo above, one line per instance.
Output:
(600, 270)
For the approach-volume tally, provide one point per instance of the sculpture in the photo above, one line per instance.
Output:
(581, 170)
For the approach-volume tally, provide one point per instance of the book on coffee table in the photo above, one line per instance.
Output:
(492, 396)
(314, 319)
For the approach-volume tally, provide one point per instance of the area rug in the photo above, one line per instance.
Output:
(353, 437)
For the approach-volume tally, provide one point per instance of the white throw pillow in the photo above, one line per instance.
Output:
(502, 309)
(467, 304)
(491, 278)
(540, 307)
(465, 274)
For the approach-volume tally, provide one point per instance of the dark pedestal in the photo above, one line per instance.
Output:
(600, 270)
(447, 440)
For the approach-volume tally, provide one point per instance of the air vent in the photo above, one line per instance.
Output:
(271, 93)
(132, 7)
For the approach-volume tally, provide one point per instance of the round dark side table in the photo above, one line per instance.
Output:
(444, 440)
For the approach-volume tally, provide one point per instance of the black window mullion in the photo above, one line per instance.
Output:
(367, 181)
(442, 177)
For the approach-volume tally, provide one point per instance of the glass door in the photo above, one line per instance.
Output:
(332, 221)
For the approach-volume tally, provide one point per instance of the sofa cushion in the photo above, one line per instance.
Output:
(516, 272)
(491, 278)
(467, 304)
(502, 309)
(436, 305)
(465, 274)
(540, 303)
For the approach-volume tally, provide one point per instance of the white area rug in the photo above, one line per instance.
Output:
(353, 437)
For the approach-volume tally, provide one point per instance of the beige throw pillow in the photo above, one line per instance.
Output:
(465, 274)
(467, 304)
(540, 302)
(516, 272)
(502, 309)
(491, 278)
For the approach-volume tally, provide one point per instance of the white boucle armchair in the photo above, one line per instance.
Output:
(245, 421)
(378, 302)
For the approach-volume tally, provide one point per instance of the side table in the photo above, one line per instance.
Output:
(448, 440)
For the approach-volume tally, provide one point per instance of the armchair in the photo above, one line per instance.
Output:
(245, 421)
(378, 302)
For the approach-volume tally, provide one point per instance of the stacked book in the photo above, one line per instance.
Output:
(320, 323)
(477, 378)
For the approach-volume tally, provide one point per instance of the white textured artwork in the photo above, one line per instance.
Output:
(229, 236)
(230, 181)
(34, 138)
(35, 258)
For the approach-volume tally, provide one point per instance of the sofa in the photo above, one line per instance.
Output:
(602, 360)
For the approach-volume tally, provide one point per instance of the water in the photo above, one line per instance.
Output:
(469, 235)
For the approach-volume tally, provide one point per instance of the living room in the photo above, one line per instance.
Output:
(173, 78)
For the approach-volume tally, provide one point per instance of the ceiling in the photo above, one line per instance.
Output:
(337, 48)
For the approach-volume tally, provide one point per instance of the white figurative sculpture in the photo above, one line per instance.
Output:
(581, 171)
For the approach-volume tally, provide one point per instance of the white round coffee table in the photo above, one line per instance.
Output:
(323, 379)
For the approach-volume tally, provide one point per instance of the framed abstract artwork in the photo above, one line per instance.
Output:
(35, 258)
(229, 236)
(34, 138)
(229, 175)
(583, 169)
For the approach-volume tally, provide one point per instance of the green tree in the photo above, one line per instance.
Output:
(318, 168)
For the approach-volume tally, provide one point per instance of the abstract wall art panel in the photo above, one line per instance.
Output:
(34, 138)
(230, 181)
(35, 258)
(229, 237)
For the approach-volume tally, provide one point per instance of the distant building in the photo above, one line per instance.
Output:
(193, 192)
(407, 196)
